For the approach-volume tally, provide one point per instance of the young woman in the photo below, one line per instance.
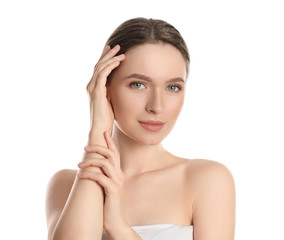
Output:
(127, 185)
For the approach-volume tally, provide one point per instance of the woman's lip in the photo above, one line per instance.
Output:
(152, 122)
(152, 127)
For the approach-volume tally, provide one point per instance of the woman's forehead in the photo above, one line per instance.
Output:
(154, 60)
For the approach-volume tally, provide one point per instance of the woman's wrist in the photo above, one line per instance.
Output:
(96, 136)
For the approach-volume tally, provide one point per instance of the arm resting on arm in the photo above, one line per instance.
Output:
(75, 212)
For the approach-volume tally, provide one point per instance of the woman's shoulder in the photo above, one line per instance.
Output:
(199, 166)
(211, 187)
(205, 168)
(57, 192)
(207, 174)
(66, 175)
(203, 165)
(201, 170)
(61, 182)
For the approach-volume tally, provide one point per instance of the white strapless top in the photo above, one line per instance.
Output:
(161, 232)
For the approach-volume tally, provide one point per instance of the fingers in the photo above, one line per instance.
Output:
(102, 75)
(111, 186)
(105, 50)
(109, 141)
(104, 181)
(111, 145)
(108, 60)
(102, 65)
(105, 65)
(111, 179)
(102, 71)
(110, 154)
(110, 53)
(100, 150)
(103, 164)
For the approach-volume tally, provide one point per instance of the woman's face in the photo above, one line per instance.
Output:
(148, 85)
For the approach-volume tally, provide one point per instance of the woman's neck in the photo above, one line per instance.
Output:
(136, 158)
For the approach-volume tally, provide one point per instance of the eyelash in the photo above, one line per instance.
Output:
(175, 85)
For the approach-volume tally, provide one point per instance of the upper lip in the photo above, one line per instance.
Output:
(152, 122)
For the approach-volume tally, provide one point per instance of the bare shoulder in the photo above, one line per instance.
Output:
(57, 193)
(64, 176)
(212, 187)
(60, 185)
(204, 167)
(202, 173)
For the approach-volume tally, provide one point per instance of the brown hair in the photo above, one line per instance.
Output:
(138, 31)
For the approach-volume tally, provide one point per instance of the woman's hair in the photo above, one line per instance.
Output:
(138, 31)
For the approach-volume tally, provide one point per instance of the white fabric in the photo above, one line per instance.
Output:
(161, 232)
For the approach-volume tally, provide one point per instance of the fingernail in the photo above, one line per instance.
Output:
(121, 56)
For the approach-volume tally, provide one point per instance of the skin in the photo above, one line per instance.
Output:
(144, 183)
(142, 150)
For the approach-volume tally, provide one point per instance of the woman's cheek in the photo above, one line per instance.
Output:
(174, 108)
(124, 105)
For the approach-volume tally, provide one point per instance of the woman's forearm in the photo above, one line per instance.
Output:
(82, 216)
(124, 233)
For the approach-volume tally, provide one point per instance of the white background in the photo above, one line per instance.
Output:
(233, 112)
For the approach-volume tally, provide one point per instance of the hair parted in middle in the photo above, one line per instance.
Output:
(139, 31)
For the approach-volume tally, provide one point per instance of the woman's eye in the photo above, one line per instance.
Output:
(174, 88)
(136, 85)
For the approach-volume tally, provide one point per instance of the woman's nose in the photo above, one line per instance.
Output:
(155, 102)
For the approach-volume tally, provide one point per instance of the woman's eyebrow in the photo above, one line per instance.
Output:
(148, 79)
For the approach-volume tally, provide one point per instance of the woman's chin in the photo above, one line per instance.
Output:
(150, 141)
(147, 138)
(143, 136)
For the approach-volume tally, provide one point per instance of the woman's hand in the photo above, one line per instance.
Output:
(111, 180)
(101, 112)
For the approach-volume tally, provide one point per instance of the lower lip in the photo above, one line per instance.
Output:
(152, 127)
